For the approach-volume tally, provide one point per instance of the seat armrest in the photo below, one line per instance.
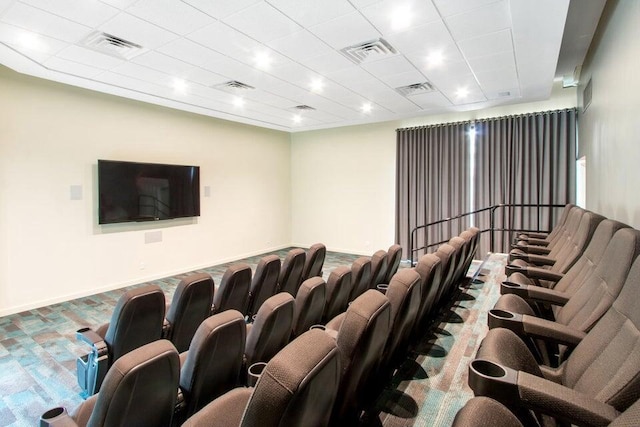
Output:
(540, 260)
(551, 331)
(537, 241)
(91, 337)
(536, 293)
(166, 329)
(532, 249)
(224, 411)
(537, 235)
(542, 274)
(562, 402)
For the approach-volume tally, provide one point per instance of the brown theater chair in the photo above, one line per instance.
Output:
(271, 329)
(291, 273)
(136, 320)
(140, 389)
(264, 283)
(544, 237)
(338, 291)
(394, 256)
(314, 260)
(360, 276)
(309, 305)
(233, 292)
(429, 268)
(297, 388)
(378, 268)
(213, 364)
(191, 304)
(446, 253)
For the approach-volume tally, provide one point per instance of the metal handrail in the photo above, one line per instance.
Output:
(492, 229)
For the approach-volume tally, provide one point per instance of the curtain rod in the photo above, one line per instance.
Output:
(464, 122)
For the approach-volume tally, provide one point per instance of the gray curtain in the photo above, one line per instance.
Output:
(526, 159)
(432, 182)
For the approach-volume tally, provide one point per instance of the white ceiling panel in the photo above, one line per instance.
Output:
(454, 7)
(41, 22)
(87, 12)
(487, 19)
(487, 44)
(172, 15)
(262, 22)
(90, 57)
(300, 45)
(346, 31)
(312, 12)
(391, 16)
(220, 9)
(504, 51)
(138, 31)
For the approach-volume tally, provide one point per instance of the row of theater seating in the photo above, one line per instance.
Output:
(563, 345)
(372, 336)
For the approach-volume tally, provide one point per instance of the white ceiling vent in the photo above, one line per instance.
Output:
(234, 86)
(369, 51)
(112, 45)
(303, 108)
(415, 89)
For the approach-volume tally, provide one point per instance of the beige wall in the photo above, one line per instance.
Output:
(51, 136)
(610, 127)
(343, 179)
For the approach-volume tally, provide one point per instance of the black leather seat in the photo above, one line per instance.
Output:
(191, 304)
(136, 320)
(291, 272)
(271, 330)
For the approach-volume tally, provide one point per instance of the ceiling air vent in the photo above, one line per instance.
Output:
(369, 51)
(415, 89)
(233, 86)
(303, 108)
(112, 45)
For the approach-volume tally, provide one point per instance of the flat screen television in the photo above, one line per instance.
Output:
(130, 191)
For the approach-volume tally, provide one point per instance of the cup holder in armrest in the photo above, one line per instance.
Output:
(56, 417)
(505, 319)
(509, 269)
(508, 287)
(254, 372)
(487, 378)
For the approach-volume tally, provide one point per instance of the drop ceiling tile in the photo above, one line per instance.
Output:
(404, 79)
(487, 44)
(89, 57)
(120, 4)
(22, 39)
(190, 51)
(503, 94)
(361, 4)
(262, 22)
(383, 15)
(389, 67)
(136, 30)
(312, 12)
(498, 80)
(269, 99)
(87, 12)
(346, 76)
(433, 36)
(127, 82)
(487, 19)
(295, 73)
(454, 7)
(497, 61)
(369, 88)
(5, 4)
(346, 30)
(178, 68)
(226, 40)
(72, 68)
(450, 71)
(145, 74)
(431, 100)
(327, 63)
(41, 22)
(300, 45)
(220, 9)
(172, 15)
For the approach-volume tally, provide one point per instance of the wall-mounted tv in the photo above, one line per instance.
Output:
(130, 191)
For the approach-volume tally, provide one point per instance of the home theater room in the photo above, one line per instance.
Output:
(319, 213)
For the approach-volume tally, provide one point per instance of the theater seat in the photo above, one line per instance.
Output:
(297, 388)
(446, 253)
(136, 320)
(139, 390)
(291, 273)
(213, 364)
(271, 329)
(394, 255)
(429, 268)
(314, 260)
(233, 292)
(360, 277)
(599, 379)
(338, 291)
(191, 304)
(264, 283)
(378, 268)
(557, 228)
(309, 305)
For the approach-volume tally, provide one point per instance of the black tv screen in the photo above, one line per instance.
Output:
(131, 191)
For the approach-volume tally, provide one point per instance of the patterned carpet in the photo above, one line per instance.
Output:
(38, 352)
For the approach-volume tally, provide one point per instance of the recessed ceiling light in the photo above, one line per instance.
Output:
(262, 60)
(462, 92)
(238, 102)
(297, 118)
(317, 85)
(401, 18)
(366, 107)
(179, 85)
(30, 41)
(435, 58)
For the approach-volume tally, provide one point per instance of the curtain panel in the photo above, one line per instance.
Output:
(432, 180)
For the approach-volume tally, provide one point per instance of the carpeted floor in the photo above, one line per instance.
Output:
(38, 350)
